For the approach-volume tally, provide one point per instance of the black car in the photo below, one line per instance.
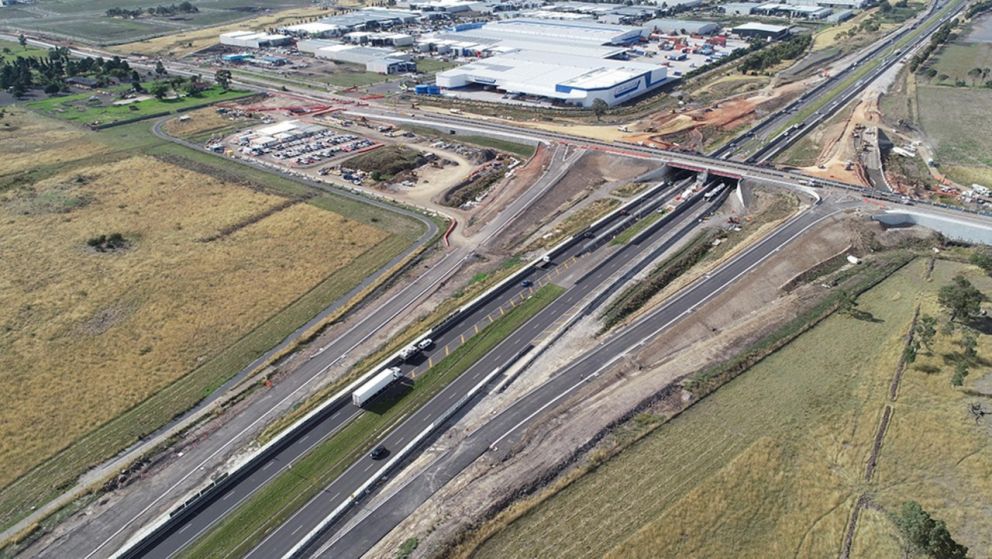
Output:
(526, 283)
(378, 453)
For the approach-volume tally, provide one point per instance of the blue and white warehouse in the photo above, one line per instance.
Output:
(574, 80)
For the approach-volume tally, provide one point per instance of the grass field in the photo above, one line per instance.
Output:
(87, 20)
(75, 108)
(11, 50)
(133, 337)
(279, 499)
(432, 65)
(964, 148)
(957, 59)
(204, 124)
(770, 465)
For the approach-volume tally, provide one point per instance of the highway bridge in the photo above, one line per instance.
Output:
(309, 527)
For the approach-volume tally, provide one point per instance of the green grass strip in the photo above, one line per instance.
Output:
(74, 108)
(269, 508)
(629, 233)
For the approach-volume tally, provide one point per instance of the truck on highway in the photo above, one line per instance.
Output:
(375, 385)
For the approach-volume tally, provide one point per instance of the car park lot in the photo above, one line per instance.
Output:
(302, 145)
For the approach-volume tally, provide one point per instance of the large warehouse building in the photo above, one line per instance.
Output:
(571, 79)
(575, 32)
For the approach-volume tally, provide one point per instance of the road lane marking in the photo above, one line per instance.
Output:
(430, 362)
(447, 350)
(476, 328)
(462, 338)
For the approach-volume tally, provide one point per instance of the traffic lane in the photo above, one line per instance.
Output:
(362, 537)
(214, 510)
(224, 502)
(339, 491)
(310, 516)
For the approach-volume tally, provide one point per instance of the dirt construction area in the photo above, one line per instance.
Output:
(577, 187)
(725, 325)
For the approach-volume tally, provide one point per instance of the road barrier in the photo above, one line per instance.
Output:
(195, 500)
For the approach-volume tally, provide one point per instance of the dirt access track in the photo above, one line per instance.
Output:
(691, 128)
(593, 170)
(724, 325)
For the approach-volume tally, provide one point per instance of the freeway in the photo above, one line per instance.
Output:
(176, 536)
(311, 517)
(500, 431)
(140, 507)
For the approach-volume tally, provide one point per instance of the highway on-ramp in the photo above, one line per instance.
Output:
(178, 535)
(500, 431)
(313, 514)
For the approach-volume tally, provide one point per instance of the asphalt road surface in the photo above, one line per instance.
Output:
(114, 527)
(279, 542)
(500, 432)
(222, 502)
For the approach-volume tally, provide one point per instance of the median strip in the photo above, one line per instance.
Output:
(268, 508)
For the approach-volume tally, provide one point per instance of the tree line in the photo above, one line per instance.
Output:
(51, 72)
(161, 11)
(768, 57)
(939, 38)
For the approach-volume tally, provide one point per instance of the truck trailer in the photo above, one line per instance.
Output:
(375, 385)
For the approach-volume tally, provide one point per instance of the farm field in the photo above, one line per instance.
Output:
(175, 44)
(218, 263)
(78, 108)
(87, 20)
(772, 463)
(957, 59)
(963, 146)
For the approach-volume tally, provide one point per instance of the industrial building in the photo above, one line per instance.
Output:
(570, 79)
(539, 30)
(738, 8)
(792, 11)
(253, 40)
(313, 30)
(370, 19)
(378, 60)
(681, 26)
(382, 39)
(762, 31)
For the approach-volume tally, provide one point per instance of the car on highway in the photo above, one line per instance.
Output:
(526, 283)
(425, 343)
(379, 452)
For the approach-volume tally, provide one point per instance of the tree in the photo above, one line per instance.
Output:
(884, 6)
(160, 90)
(961, 299)
(922, 534)
(599, 107)
(136, 81)
(960, 371)
(223, 79)
(22, 40)
(925, 330)
(975, 74)
(982, 257)
(160, 69)
(970, 345)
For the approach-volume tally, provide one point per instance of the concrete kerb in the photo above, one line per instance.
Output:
(306, 540)
(589, 302)
(193, 498)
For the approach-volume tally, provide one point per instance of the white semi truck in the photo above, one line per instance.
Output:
(375, 385)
